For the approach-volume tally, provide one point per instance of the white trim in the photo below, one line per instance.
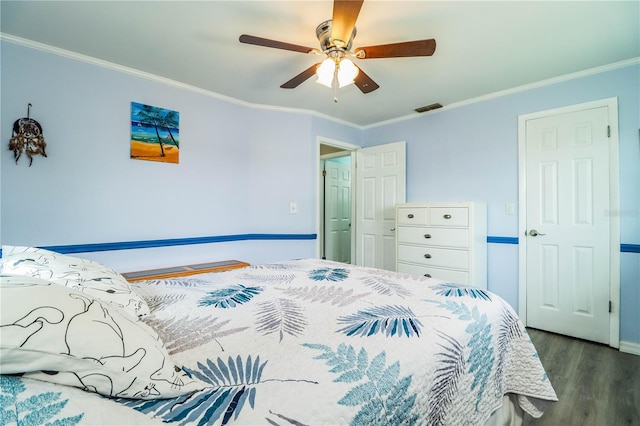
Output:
(630, 348)
(322, 140)
(522, 220)
(514, 90)
(127, 70)
(162, 80)
(614, 203)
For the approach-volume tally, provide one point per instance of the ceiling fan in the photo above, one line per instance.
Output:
(336, 37)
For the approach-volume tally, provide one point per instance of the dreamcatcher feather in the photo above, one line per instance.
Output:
(27, 138)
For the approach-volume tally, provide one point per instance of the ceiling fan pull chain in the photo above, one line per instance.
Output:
(335, 82)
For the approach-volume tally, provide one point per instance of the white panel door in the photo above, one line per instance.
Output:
(337, 214)
(381, 180)
(568, 224)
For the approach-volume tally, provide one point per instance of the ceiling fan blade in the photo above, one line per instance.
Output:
(259, 41)
(300, 78)
(364, 82)
(345, 14)
(400, 50)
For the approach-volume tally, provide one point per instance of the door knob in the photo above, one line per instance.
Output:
(535, 233)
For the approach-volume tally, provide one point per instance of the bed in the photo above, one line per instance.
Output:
(297, 342)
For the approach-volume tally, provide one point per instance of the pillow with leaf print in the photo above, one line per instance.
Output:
(84, 275)
(56, 334)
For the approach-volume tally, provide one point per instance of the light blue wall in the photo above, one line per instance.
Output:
(241, 166)
(470, 153)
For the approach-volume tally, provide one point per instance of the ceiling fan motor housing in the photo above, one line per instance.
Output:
(323, 32)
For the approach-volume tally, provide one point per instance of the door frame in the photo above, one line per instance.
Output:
(345, 146)
(614, 206)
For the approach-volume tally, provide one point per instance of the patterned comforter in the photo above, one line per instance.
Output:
(311, 342)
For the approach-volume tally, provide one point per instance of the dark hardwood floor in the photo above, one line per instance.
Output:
(596, 385)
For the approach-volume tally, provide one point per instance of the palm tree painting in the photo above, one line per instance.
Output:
(154, 133)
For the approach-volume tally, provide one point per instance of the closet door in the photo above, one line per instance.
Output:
(568, 225)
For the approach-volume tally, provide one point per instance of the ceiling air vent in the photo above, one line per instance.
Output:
(428, 107)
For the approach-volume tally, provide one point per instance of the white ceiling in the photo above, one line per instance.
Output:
(482, 46)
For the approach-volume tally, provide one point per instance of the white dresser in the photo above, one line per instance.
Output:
(447, 241)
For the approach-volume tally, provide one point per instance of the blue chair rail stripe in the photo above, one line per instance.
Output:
(502, 240)
(128, 245)
(630, 248)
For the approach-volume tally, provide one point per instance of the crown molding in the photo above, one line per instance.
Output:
(513, 90)
(162, 80)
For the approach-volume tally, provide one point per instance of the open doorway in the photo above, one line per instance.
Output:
(378, 185)
(335, 200)
(336, 206)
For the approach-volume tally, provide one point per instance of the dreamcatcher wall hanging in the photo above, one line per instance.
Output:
(27, 138)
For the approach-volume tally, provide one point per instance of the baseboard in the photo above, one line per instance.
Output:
(630, 348)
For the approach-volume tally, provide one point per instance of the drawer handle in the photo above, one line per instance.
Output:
(410, 215)
(447, 216)
(427, 256)
(427, 236)
(427, 275)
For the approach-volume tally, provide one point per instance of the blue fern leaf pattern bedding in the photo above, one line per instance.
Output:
(314, 342)
(229, 297)
(448, 289)
(232, 384)
(329, 274)
(39, 409)
(380, 394)
(389, 320)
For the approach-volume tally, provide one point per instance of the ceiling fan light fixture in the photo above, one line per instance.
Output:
(347, 72)
(325, 72)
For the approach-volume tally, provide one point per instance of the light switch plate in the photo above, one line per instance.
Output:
(509, 208)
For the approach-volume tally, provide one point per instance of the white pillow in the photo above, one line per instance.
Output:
(56, 334)
(84, 275)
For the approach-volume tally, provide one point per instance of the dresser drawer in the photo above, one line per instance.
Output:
(457, 259)
(448, 216)
(412, 215)
(458, 277)
(434, 236)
